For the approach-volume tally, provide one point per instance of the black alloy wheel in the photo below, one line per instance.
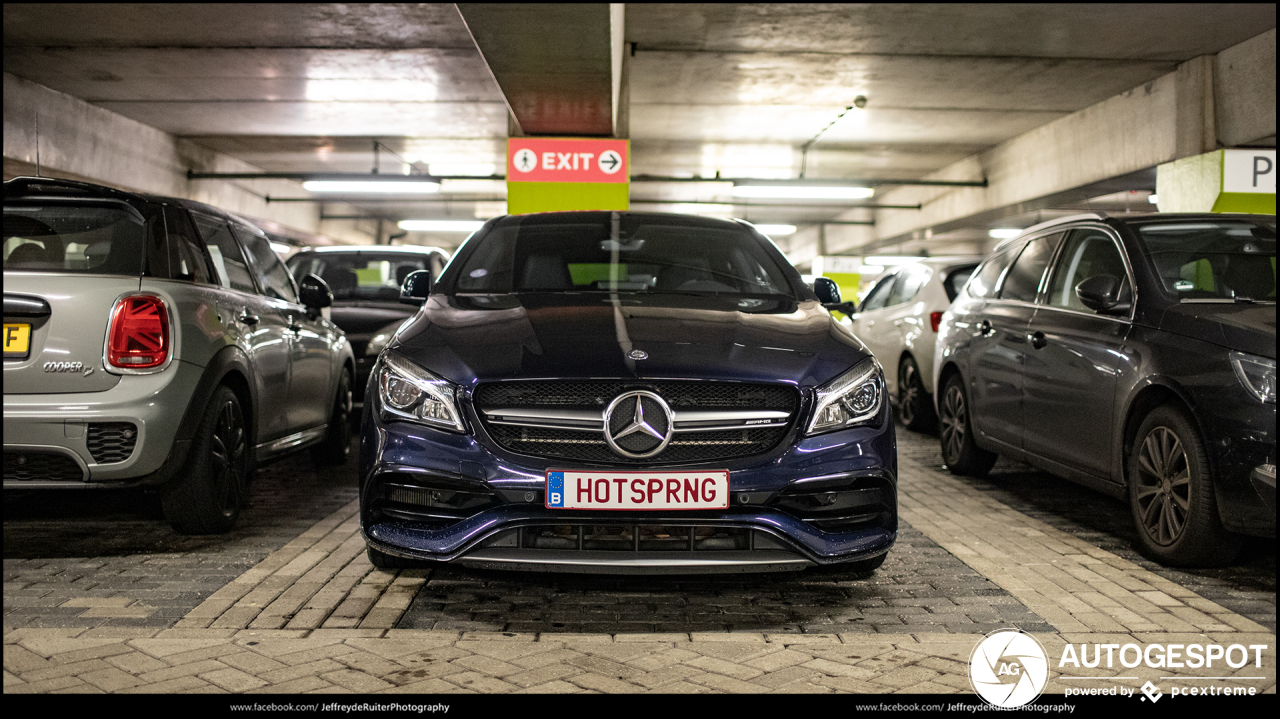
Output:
(915, 410)
(336, 447)
(962, 455)
(1172, 497)
(206, 496)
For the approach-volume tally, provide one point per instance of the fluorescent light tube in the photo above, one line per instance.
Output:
(776, 229)
(385, 187)
(1003, 234)
(803, 192)
(441, 225)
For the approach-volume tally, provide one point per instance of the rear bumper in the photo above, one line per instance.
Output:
(58, 426)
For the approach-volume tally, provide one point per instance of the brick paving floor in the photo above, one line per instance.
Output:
(288, 603)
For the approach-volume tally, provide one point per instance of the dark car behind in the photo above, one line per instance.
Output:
(1135, 354)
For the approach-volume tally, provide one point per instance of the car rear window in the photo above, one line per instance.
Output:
(631, 254)
(94, 239)
(1213, 260)
(363, 276)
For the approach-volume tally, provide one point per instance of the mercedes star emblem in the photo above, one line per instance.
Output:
(637, 424)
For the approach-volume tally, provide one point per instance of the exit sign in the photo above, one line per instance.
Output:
(567, 160)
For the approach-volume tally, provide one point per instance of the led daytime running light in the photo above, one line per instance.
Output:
(852, 398)
(411, 393)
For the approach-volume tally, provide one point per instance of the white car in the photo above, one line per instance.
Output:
(898, 321)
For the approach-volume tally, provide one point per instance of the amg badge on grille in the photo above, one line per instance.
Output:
(637, 424)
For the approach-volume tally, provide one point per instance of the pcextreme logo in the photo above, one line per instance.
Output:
(1008, 668)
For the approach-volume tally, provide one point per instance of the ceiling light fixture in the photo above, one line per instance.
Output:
(441, 225)
(776, 229)
(803, 192)
(1003, 234)
(407, 186)
(1153, 199)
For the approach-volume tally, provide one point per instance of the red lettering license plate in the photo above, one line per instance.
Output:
(607, 489)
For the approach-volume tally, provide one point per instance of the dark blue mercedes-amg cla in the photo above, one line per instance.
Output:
(621, 392)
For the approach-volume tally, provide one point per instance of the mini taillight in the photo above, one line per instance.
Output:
(138, 337)
(935, 319)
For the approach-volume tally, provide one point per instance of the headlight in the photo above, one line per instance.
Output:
(851, 399)
(1257, 374)
(409, 392)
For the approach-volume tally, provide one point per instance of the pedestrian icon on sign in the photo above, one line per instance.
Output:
(525, 160)
(610, 162)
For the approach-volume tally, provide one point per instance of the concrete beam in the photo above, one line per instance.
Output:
(554, 63)
(1083, 154)
(81, 141)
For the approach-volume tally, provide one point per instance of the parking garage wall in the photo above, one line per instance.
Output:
(80, 141)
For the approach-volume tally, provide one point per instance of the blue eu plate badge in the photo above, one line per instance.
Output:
(555, 489)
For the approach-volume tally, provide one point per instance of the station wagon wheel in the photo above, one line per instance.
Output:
(959, 451)
(1172, 495)
(206, 495)
(914, 408)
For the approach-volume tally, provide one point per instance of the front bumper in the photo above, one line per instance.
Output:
(57, 427)
(1240, 434)
(417, 484)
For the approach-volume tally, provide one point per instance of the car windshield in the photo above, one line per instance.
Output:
(657, 255)
(362, 276)
(1213, 260)
(100, 240)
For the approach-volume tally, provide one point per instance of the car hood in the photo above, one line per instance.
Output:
(1245, 327)
(469, 339)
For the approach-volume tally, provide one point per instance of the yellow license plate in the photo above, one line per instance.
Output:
(17, 341)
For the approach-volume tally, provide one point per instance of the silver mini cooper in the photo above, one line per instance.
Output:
(153, 341)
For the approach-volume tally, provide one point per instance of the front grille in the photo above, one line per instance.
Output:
(685, 447)
(634, 538)
(111, 441)
(29, 466)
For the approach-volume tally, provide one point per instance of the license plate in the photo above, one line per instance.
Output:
(573, 489)
(17, 341)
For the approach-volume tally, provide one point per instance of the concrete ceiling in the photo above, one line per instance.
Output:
(720, 88)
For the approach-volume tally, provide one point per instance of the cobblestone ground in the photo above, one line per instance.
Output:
(1247, 587)
(100, 596)
(110, 559)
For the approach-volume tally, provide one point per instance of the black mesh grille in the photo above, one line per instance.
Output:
(111, 441)
(27, 467)
(684, 448)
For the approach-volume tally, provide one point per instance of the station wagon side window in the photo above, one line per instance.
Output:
(1088, 253)
(1022, 281)
(983, 284)
(233, 271)
(272, 275)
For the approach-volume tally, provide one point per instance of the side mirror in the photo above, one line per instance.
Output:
(314, 294)
(416, 287)
(828, 293)
(1101, 293)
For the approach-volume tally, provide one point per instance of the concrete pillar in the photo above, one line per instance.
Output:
(1196, 131)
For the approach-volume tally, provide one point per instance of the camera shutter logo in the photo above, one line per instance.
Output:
(1008, 668)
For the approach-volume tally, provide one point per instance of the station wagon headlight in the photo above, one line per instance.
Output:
(851, 399)
(1257, 374)
(411, 393)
